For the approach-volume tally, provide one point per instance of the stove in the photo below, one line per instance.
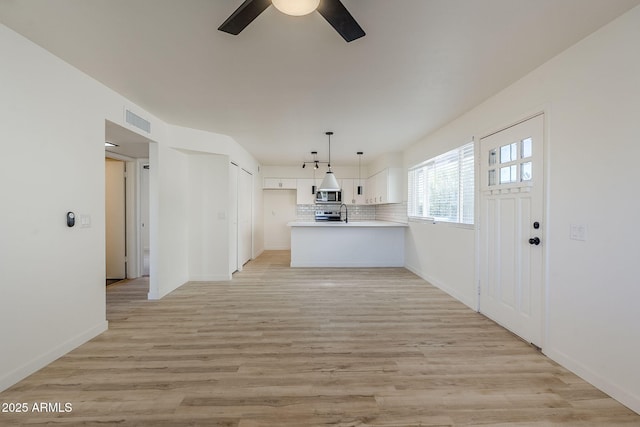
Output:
(322, 215)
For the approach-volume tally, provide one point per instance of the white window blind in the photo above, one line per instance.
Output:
(442, 188)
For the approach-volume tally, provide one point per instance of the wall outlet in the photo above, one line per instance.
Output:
(578, 232)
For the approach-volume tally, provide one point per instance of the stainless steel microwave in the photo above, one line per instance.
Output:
(333, 196)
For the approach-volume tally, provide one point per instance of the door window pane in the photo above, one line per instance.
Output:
(508, 174)
(492, 177)
(492, 157)
(508, 153)
(525, 171)
(526, 147)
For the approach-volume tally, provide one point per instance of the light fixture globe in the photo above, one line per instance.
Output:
(296, 7)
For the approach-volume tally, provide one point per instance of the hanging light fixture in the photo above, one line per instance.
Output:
(315, 160)
(329, 183)
(296, 7)
(359, 153)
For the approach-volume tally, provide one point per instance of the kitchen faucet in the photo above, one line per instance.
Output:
(346, 213)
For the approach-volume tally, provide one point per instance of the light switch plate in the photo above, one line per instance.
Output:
(578, 232)
(85, 220)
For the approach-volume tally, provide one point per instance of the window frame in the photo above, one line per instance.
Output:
(420, 206)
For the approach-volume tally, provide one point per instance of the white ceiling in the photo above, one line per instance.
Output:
(284, 81)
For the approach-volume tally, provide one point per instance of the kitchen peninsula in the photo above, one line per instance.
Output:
(352, 244)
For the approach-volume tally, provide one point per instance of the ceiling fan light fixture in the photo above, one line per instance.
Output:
(296, 7)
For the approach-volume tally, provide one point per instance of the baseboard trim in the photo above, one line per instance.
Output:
(210, 278)
(43, 360)
(346, 265)
(440, 285)
(629, 400)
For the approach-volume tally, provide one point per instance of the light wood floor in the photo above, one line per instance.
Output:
(302, 347)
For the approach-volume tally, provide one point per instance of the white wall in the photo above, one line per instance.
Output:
(52, 129)
(170, 252)
(208, 192)
(52, 277)
(195, 141)
(591, 97)
(388, 160)
(443, 254)
(279, 209)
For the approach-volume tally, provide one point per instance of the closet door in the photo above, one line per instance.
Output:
(233, 218)
(245, 214)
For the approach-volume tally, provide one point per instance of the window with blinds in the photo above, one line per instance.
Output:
(442, 188)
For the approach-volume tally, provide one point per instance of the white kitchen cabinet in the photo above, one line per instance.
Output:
(382, 187)
(279, 183)
(369, 191)
(385, 187)
(350, 194)
(347, 191)
(304, 194)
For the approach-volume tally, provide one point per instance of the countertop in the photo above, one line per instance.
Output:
(348, 224)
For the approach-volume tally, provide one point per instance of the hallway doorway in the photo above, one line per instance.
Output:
(127, 208)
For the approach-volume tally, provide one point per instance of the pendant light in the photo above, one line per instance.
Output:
(329, 183)
(359, 153)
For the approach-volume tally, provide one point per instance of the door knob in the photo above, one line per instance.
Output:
(534, 241)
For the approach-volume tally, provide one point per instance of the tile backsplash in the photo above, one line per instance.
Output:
(396, 212)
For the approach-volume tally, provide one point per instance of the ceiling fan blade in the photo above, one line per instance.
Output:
(247, 12)
(339, 17)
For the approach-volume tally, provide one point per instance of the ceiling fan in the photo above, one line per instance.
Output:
(332, 10)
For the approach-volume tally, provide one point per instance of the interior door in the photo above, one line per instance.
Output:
(115, 220)
(233, 218)
(245, 211)
(511, 228)
(144, 217)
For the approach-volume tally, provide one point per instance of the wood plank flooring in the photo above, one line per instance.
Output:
(307, 347)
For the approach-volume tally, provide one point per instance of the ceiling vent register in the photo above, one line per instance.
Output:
(135, 120)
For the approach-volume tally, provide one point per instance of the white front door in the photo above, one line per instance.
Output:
(511, 228)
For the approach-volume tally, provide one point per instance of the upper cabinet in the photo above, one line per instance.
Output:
(279, 183)
(350, 194)
(305, 194)
(384, 187)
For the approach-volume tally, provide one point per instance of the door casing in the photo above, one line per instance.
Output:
(481, 245)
